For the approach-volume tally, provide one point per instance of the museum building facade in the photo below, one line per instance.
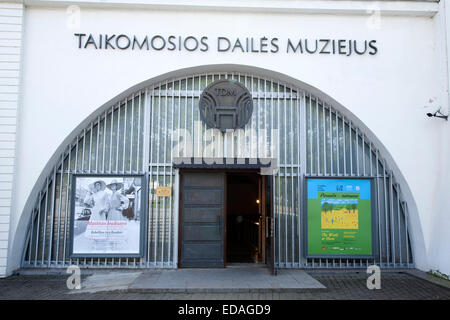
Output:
(150, 134)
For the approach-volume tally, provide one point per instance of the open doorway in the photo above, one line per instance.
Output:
(244, 218)
(225, 219)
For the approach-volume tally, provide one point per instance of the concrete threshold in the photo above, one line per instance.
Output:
(227, 280)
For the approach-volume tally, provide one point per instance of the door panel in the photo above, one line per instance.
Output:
(200, 196)
(198, 232)
(202, 210)
(205, 215)
(204, 254)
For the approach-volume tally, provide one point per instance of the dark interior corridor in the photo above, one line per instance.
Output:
(243, 218)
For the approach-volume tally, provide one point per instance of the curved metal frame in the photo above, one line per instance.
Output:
(327, 133)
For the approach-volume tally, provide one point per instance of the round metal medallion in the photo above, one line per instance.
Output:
(226, 105)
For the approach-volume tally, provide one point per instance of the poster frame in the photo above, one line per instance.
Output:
(372, 213)
(143, 216)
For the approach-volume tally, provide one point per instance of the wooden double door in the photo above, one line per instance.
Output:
(202, 227)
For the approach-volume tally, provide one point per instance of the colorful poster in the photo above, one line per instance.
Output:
(106, 216)
(339, 217)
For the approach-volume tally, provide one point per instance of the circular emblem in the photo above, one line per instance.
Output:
(226, 104)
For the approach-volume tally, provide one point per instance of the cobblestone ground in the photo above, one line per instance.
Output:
(340, 285)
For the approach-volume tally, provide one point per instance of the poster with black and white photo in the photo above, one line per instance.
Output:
(107, 215)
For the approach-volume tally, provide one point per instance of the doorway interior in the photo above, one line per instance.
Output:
(225, 219)
(244, 219)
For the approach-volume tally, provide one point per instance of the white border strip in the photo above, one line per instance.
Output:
(342, 7)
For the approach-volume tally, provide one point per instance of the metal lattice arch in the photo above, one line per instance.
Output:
(136, 133)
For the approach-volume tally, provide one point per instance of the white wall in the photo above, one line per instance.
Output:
(62, 85)
(439, 245)
(11, 18)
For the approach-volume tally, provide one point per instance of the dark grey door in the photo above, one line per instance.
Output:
(202, 215)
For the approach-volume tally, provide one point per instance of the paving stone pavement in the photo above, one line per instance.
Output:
(341, 285)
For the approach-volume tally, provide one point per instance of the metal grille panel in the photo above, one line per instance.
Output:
(144, 132)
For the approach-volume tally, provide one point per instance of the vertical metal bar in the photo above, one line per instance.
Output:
(138, 147)
(84, 147)
(324, 141)
(357, 151)
(166, 116)
(310, 137)
(38, 228)
(331, 144)
(98, 137)
(200, 124)
(60, 206)
(76, 155)
(124, 135)
(285, 181)
(164, 234)
(301, 170)
(386, 212)
(256, 122)
(253, 124)
(379, 210)
(152, 128)
(45, 222)
(370, 159)
(337, 145)
(179, 117)
(318, 136)
(266, 111)
(50, 243)
(175, 220)
(117, 141)
(192, 114)
(185, 120)
(66, 205)
(351, 148)
(104, 141)
(90, 146)
(391, 216)
(245, 147)
(291, 106)
(30, 244)
(146, 146)
(278, 218)
(345, 150)
(84, 140)
(111, 140)
(132, 133)
(363, 154)
(397, 190)
(146, 141)
(171, 178)
(205, 131)
(152, 200)
(405, 212)
(158, 156)
(76, 170)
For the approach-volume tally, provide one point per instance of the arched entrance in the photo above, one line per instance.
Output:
(142, 132)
